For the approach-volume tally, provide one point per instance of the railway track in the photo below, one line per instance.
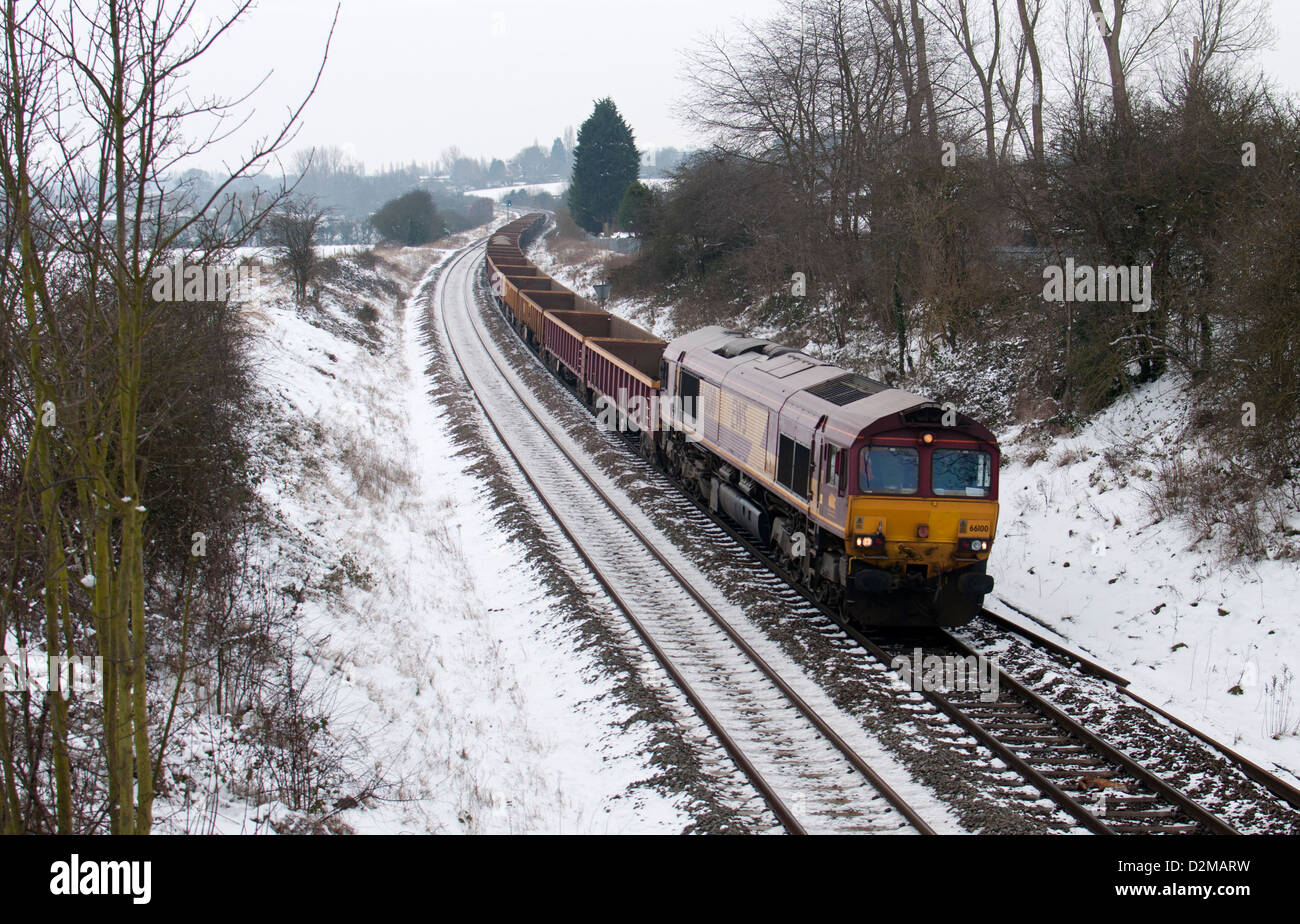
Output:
(1091, 781)
(1035, 654)
(1097, 784)
(811, 776)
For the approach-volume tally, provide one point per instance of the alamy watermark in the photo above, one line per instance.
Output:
(75, 876)
(949, 673)
(33, 672)
(634, 413)
(1084, 283)
(181, 281)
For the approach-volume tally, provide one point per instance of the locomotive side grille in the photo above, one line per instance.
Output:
(845, 389)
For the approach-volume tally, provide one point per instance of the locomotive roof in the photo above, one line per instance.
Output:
(800, 386)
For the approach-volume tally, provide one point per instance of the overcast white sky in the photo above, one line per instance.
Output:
(406, 79)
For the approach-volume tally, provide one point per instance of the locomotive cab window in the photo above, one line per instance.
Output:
(833, 465)
(961, 472)
(889, 470)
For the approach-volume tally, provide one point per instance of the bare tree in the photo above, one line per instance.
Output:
(981, 48)
(1110, 40)
(924, 79)
(1214, 32)
(94, 123)
(1125, 55)
(902, 36)
(1028, 24)
(323, 160)
(291, 230)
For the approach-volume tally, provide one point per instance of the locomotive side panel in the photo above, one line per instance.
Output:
(743, 428)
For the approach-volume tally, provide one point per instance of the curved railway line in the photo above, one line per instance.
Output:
(811, 777)
(805, 770)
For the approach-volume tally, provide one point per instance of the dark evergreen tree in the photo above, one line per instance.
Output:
(605, 163)
(636, 210)
(410, 219)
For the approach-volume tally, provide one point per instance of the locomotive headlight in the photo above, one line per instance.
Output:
(977, 545)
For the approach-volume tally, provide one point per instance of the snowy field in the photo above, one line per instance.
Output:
(499, 193)
(323, 251)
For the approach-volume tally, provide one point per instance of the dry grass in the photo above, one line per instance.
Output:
(1210, 494)
(376, 476)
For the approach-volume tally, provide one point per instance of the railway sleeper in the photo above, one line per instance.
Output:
(1086, 760)
(1005, 719)
(1073, 775)
(1002, 708)
(1054, 743)
(1142, 814)
(1155, 829)
(1124, 798)
(1027, 725)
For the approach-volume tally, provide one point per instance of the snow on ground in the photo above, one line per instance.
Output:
(1080, 549)
(499, 193)
(323, 251)
(438, 653)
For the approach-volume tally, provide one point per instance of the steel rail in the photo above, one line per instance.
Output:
(1253, 771)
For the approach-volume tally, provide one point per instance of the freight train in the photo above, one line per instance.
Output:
(881, 503)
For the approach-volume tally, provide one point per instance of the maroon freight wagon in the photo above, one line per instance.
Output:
(626, 372)
(566, 330)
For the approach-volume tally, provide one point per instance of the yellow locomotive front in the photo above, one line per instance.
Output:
(921, 518)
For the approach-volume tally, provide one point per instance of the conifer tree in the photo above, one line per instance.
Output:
(605, 163)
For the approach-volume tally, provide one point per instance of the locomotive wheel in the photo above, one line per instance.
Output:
(821, 591)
